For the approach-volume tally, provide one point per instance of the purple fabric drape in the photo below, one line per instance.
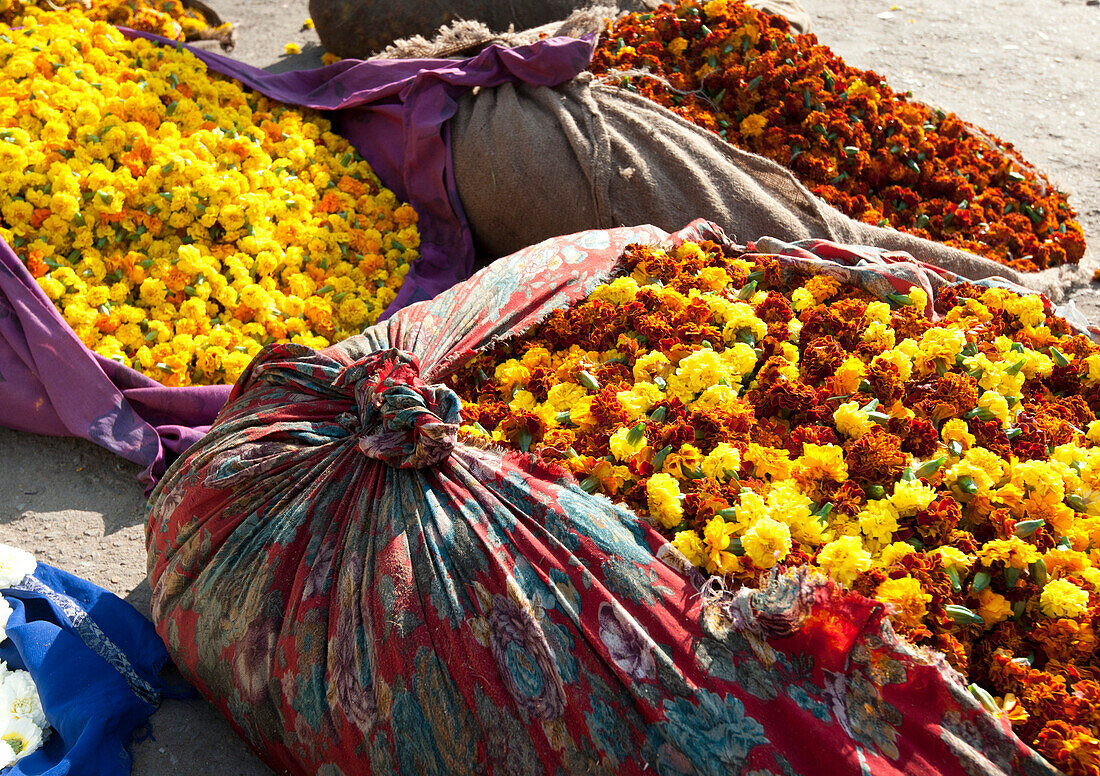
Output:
(395, 112)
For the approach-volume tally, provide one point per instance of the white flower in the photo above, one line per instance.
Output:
(19, 698)
(7, 754)
(22, 735)
(15, 564)
(5, 613)
(5, 672)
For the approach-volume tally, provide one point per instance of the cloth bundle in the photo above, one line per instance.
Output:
(359, 590)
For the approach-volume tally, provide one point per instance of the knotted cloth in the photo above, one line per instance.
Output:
(405, 422)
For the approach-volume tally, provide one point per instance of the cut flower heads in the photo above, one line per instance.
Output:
(765, 418)
(876, 155)
(177, 221)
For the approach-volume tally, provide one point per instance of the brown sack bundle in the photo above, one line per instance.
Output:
(532, 163)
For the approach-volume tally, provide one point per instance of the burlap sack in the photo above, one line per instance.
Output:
(532, 163)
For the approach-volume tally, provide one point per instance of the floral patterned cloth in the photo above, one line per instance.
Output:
(359, 591)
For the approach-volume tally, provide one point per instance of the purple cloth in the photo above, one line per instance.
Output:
(395, 112)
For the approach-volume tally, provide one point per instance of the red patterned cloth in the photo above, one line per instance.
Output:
(360, 592)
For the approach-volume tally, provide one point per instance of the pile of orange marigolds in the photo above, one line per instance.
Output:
(767, 420)
(872, 153)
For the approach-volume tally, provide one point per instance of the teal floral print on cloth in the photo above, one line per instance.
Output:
(359, 590)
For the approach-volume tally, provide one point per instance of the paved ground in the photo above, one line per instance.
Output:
(1028, 72)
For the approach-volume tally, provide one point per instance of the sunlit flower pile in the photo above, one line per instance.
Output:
(766, 419)
(168, 18)
(178, 221)
(23, 725)
(876, 155)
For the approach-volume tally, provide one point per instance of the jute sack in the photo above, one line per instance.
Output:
(531, 163)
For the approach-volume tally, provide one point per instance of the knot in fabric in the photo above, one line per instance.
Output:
(403, 421)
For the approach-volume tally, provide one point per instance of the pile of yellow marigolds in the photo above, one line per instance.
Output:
(876, 155)
(178, 221)
(766, 419)
(168, 18)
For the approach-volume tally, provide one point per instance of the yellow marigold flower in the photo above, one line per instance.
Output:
(1062, 598)
(738, 318)
(677, 45)
(993, 608)
(722, 463)
(1092, 576)
(878, 520)
(689, 543)
(788, 504)
(717, 535)
(639, 399)
(1028, 308)
(714, 9)
(1093, 433)
(939, 346)
(823, 287)
(821, 462)
(1013, 551)
(844, 559)
(850, 421)
(653, 364)
(952, 557)
(307, 24)
(714, 278)
(911, 496)
(717, 396)
(751, 507)
(982, 467)
(51, 288)
(859, 88)
(995, 404)
(877, 312)
(769, 462)
(507, 375)
(1042, 484)
(696, 373)
(523, 400)
(879, 334)
(618, 292)
(908, 599)
(624, 443)
(564, 395)
(292, 48)
(536, 357)
(753, 125)
(893, 552)
(956, 430)
(848, 375)
(740, 360)
(801, 299)
(663, 497)
(767, 542)
(581, 413)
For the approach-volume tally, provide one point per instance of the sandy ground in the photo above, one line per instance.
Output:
(1028, 72)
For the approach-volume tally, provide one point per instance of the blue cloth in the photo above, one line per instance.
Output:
(96, 663)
